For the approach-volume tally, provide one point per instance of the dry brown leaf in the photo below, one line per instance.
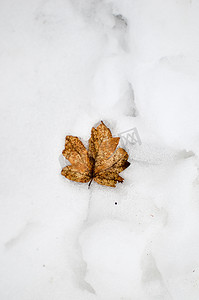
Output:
(102, 162)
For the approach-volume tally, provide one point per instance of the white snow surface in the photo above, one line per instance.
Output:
(66, 65)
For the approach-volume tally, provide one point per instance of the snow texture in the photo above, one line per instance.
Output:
(66, 65)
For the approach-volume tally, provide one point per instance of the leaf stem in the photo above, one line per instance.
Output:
(90, 183)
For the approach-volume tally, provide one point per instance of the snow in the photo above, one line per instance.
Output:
(66, 65)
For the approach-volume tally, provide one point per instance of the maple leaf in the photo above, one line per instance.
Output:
(101, 163)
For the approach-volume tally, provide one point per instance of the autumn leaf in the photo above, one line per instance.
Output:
(101, 163)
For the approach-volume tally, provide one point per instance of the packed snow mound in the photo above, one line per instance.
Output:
(65, 66)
